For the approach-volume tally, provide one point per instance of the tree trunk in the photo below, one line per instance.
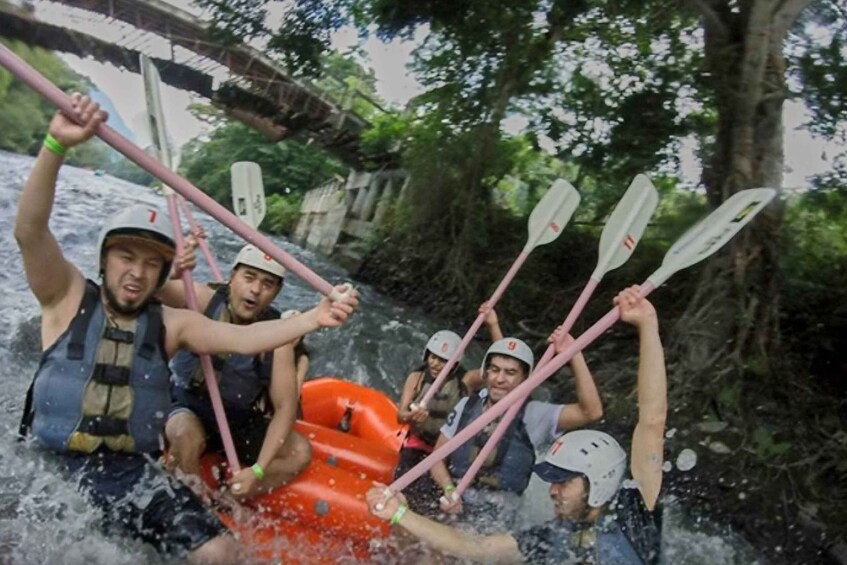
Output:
(733, 319)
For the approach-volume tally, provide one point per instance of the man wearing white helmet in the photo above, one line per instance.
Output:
(425, 423)
(102, 390)
(260, 393)
(585, 469)
(493, 498)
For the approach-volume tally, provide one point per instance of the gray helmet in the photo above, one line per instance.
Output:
(443, 344)
(142, 224)
(592, 453)
(510, 347)
(252, 256)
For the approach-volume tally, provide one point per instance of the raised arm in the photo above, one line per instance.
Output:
(648, 438)
(492, 322)
(195, 332)
(56, 283)
(498, 548)
(589, 407)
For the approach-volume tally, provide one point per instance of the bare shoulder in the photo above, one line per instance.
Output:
(57, 316)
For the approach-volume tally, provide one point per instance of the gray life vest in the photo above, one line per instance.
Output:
(243, 380)
(565, 541)
(136, 393)
(442, 402)
(509, 466)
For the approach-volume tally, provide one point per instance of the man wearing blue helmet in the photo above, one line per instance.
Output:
(585, 469)
(102, 390)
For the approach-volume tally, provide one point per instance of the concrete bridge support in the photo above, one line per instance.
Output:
(339, 217)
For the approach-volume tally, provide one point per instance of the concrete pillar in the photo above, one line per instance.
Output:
(384, 201)
(370, 201)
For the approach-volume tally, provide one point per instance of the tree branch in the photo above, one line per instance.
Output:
(757, 40)
(786, 13)
(710, 15)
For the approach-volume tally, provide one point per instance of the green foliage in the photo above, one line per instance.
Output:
(282, 214)
(288, 167)
(766, 446)
(24, 115)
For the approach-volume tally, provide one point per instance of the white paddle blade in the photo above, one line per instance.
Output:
(713, 231)
(248, 192)
(155, 115)
(626, 225)
(552, 213)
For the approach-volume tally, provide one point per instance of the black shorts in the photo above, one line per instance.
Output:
(139, 499)
(248, 427)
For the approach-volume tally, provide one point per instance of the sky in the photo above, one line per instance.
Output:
(805, 155)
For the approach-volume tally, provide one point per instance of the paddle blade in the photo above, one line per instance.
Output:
(155, 114)
(552, 213)
(713, 231)
(248, 192)
(626, 224)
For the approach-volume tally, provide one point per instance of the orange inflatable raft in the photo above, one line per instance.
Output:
(321, 516)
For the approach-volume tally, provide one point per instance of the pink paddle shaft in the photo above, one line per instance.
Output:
(205, 360)
(204, 247)
(517, 395)
(512, 413)
(51, 92)
(498, 292)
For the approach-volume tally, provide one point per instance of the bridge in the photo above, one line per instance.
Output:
(254, 89)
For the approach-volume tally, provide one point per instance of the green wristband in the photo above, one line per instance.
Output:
(398, 515)
(54, 146)
(449, 488)
(258, 471)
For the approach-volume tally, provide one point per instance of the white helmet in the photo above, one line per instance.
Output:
(594, 454)
(141, 224)
(443, 344)
(252, 256)
(510, 347)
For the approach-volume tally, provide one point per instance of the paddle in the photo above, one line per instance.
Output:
(701, 241)
(620, 235)
(50, 92)
(150, 76)
(546, 223)
(248, 192)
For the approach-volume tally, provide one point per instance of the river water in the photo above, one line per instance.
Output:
(42, 518)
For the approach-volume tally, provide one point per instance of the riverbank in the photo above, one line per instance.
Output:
(770, 449)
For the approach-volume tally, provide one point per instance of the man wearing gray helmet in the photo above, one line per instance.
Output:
(585, 469)
(260, 393)
(102, 390)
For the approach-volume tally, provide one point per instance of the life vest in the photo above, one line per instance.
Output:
(441, 404)
(243, 380)
(509, 466)
(566, 541)
(99, 385)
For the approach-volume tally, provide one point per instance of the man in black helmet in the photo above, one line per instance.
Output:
(102, 391)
